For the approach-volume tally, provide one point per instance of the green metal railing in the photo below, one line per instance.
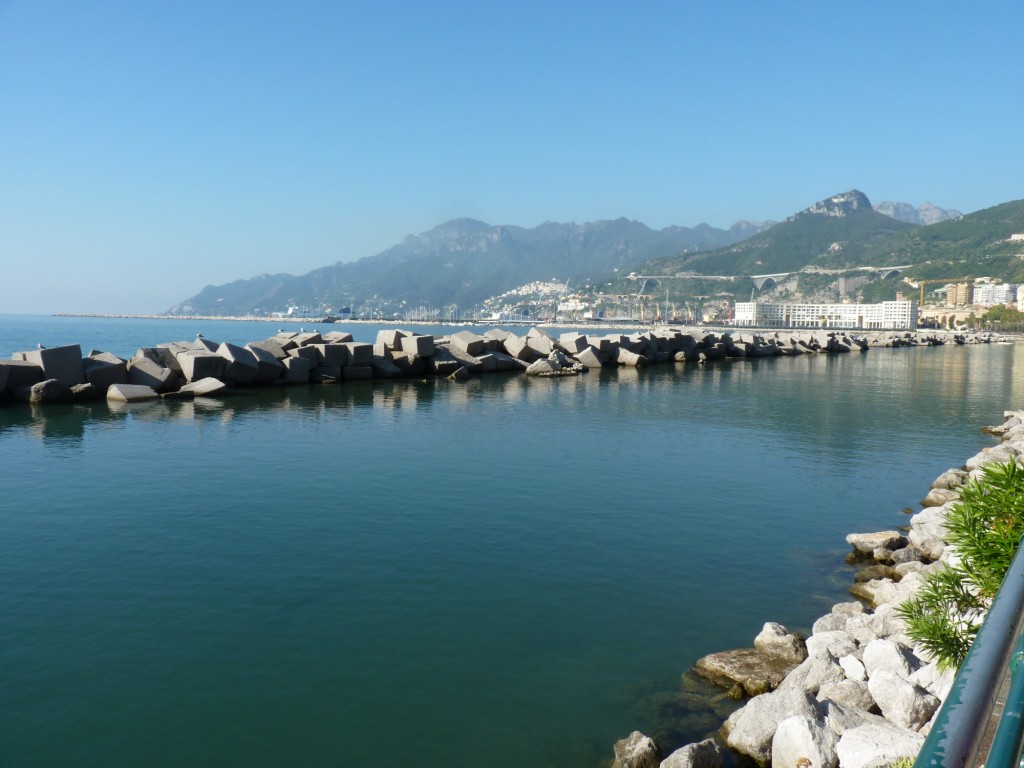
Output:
(958, 735)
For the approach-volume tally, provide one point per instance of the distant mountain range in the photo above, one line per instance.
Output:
(922, 216)
(463, 262)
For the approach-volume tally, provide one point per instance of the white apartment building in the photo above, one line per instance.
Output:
(991, 294)
(887, 315)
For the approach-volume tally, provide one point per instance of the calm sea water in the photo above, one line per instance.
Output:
(508, 572)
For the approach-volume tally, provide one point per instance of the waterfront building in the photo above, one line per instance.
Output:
(991, 294)
(959, 294)
(886, 315)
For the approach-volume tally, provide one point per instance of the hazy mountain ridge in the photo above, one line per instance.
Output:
(463, 262)
(923, 216)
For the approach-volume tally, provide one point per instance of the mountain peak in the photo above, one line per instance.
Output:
(837, 206)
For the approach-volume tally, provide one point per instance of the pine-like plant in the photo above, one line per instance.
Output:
(985, 527)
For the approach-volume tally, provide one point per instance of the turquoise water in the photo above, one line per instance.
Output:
(509, 572)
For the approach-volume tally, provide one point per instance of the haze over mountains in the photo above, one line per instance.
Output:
(464, 261)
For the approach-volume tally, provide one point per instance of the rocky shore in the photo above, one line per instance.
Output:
(857, 693)
(202, 367)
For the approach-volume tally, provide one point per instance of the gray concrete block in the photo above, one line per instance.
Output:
(624, 356)
(468, 342)
(270, 346)
(270, 368)
(3, 378)
(517, 347)
(144, 371)
(543, 345)
(497, 334)
(196, 365)
(410, 365)
(359, 354)
(337, 337)
(240, 366)
(357, 372)
(103, 357)
(572, 342)
(304, 339)
(306, 353)
(383, 368)
(164, 355)
(391, 339)
(87, 391)
(296, 370)
(443, 362)
(506, 362)
(470, 362)
(19, 373)
(61, 363)
(590, 357)
(207, 387)
(101, 372)
(285, 340)
(419, 345)
(330, 354)
(131, 393)
(202, 344)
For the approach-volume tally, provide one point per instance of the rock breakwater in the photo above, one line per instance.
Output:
(202, 367)
(858, 692)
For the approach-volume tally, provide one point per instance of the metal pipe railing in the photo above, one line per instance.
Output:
(958, 732)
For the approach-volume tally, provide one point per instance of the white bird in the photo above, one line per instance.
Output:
(40, 346)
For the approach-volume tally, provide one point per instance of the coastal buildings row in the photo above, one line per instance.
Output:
(979, 293)
(896, 315)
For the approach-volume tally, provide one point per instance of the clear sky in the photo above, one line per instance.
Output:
(148, 149)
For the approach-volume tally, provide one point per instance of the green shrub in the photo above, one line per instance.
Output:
(985, 527)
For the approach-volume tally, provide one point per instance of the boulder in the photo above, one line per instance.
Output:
(853, 667)
(837, 643)
(636, 751)
(902, 702)
(867, 543)
(877, 745)
(950, 479)
(61, 363)
(804, 742)
(753, 671)
(849, 693)
(45, 391)
(750, 729)
(777, 642)
(938, 496)
(703, 754)
(888, 656)
(131, 393)
(814, 672)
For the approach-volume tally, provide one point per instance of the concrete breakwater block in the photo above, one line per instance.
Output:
(468, 342)
(19, 373)
(240, 364)
(418, 345)
(197, 365)
(103, 369)
(61, 363)
(144, 371)
(269, 367)
(131, 393)
(296, 370)
(207, 387)
(359, 354)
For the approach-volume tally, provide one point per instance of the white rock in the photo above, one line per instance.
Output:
(836, 642)
(876, 746)
(804, 742)
(814, 672)
(902, 703)
(636, 751)
(750, 729)
(887, 656)
(849, 693)
(703, 754)
(853, 667)
(937, 682)
(777, 642)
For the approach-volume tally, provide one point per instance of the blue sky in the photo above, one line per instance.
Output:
(149, 149)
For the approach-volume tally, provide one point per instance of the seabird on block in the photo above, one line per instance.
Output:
(40, 346)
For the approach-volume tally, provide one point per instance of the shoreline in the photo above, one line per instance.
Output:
(858, 691)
